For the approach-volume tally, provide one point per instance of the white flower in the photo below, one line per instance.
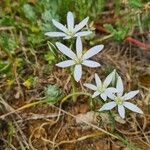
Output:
(79, 58)
(71, 30)
(120, 100)
(100, 88)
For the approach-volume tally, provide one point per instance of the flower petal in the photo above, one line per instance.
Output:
(81, 24)
(59, 26)
(55, 34)
(95, 94)
(108, 79)
(98, 80)
(83, 33)
(121, 111)
(108, 106)
(79, 47)
(90, 86)
(111, 96)
(65, 64)
(91, 63)
(130, 95)
(93, 51)
(70, 21)
(65, 50)
(77, 72)
(119, 86)
(132, 107)
(111, 90)
(104, 96)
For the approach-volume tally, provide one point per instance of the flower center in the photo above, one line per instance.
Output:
(70, 33)
(119, 100)
(101, 89)
(78, 60)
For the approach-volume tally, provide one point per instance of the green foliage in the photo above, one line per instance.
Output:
(5, 67)
(30, 81)
(135, 3)
(7, 21)
(81, 8)
(119, 33)
(7, 42)
(29, 12)
(52, 92)
(49, 57)
(34, 39)
(117, 6)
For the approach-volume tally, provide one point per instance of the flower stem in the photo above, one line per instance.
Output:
(73, 82)
(101, 39)
(74, 88)
(112, 120)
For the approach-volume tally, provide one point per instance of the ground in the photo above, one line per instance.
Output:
(47, 126)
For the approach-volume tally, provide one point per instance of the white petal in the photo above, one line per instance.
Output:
(95, 94)
(91, 63)
(130, 95)
(79, 47)
(65, 50)
(104, 96)
(59, 26)
(77, 72)
(90, 86)
(108, 79)
(108, 106)
(110, 90)
(119, 86)
(65, 64)
(55, 34)
(83, 33)
(70, 20)
(81, 24)
(111, 96)
(121, 111)
(93, 51)
(98, 80)
(132, 107)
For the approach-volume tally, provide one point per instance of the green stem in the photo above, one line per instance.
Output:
(101, 39)
(112, 120)
(74, 94)
(74, 88)
(73, 82)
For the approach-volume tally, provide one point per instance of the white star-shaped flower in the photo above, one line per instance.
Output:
(101, 88)
(71, 30)
(121, 101)
(79, 58)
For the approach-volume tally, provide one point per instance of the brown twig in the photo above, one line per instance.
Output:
(138, 43)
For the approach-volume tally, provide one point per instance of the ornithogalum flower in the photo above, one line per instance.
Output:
(101, 88)
(121, 100)
(79, 58)
(71, 30)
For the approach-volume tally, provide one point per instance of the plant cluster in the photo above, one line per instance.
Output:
(111, 90)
